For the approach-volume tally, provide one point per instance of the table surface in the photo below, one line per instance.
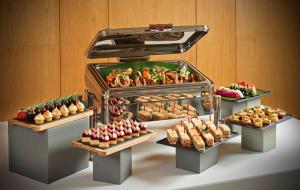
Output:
(154, 165)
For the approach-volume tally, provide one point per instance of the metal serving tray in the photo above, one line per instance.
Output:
(151, 89)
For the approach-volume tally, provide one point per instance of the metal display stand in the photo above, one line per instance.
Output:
(47, 155)
(230, 107)
(191, 160)
(115, 168)
(114, 163)
(260, 139)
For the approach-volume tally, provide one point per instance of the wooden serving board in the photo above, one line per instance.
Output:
(51, 124)
(118, 147)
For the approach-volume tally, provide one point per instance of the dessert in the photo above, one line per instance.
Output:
(48, 115)
(94, 141)
(72, 109)
(56, 113)
(246, 120)
(30, 114)
(113, 137)
(266, 120)
(64, 110)
(258, 122)
(86, 136)
(234, 118)
(80, 106)
(281, 113)
(21, 114)
(104, 141)
(39, 119)
(120, 136)
(225, 130)
(172, 136)
(274, 117)
(143, 128)
(230, 93)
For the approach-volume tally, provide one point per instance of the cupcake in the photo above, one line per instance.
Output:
(72, 109)
(48, 115)
(39, 119)
(64, 110)
(80, 106)
(56, 113)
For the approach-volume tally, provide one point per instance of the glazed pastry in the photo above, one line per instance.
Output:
(173, 116)
(39, 119)
(249, 111)
(266, 120)
(258, 122)
(48, 115)
(274, 117)
(172, 136)
(269, 110)
(254, 116)
(80, 106)
(56, 113)
(281, 113)
(64, 110)
(72, 109)
(261, 113)
(225, 130)
(256, 108)
(234, 118)
(240, 113)
(246, 120)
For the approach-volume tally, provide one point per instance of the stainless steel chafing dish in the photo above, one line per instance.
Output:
(133, 47)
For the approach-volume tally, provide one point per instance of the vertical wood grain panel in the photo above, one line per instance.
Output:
(268, 49)
(29, 53)
(80, 20)
(141, 13)
(216, 51)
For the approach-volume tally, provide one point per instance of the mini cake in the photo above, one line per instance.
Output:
(48, 115)
(94, 140)
(258, 122)
(72, 109)
(80, 106)
(39, 119)
(56, 113)
(143, 128)
(104, 141)
(128, 133)
(86, 136)
(120, 136)
(112, 138)
(246, 120)
(135, 131)
(172, 136)
(64, 110)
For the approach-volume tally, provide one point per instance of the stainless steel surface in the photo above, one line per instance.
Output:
(143, 42)
(217, 109)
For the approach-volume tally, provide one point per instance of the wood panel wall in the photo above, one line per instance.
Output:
(268, 49)
(42, 43)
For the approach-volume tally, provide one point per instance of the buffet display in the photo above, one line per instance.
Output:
(197, 133)
(257, 116)
(52, 110)
(239, 90)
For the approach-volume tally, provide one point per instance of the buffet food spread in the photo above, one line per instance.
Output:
(258, 116)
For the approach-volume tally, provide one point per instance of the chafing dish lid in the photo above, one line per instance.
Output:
(145, 41)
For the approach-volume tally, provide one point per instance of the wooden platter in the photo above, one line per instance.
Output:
(118, 147)
(51, 124)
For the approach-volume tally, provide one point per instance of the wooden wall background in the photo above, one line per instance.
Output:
(42, 44)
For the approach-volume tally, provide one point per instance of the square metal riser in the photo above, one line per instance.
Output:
(114, 168)
(229, 108)
(48, 155)
(194, 161)
(259, 140)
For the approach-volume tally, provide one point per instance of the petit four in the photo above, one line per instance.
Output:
(48, 115)
(39, 119)
(64, 110)
(86, 136)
